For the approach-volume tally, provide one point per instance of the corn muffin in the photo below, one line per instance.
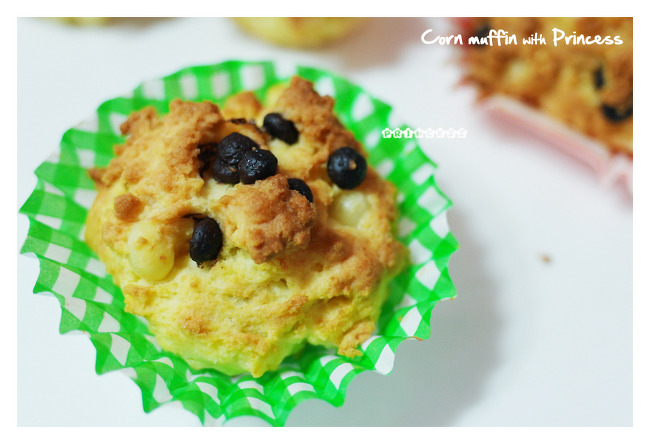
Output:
(84, 21)
(244, 233)
(588, 87)
(300, 32)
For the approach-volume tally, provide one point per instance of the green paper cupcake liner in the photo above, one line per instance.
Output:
(92, 303)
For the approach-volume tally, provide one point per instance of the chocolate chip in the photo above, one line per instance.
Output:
(599, 77)
(301, 187)
(346, 167)
(280, 128)
(617, 113)
(206, 240)
(257, 165)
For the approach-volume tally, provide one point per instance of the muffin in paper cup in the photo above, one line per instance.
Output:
(92, 303)
(611, 165)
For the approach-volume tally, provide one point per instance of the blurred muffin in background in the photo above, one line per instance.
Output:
(300, 32)
(587, 87)
(84, 21)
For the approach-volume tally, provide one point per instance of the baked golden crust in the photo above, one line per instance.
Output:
(267, 227)
(242, 106)
(580, 85)
(289, 271)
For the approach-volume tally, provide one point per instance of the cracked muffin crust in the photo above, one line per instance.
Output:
(289, 272)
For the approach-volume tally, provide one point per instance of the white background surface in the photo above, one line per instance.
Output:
(525, 343)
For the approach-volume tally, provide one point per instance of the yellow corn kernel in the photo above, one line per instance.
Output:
(349, 207)
(151, 255)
